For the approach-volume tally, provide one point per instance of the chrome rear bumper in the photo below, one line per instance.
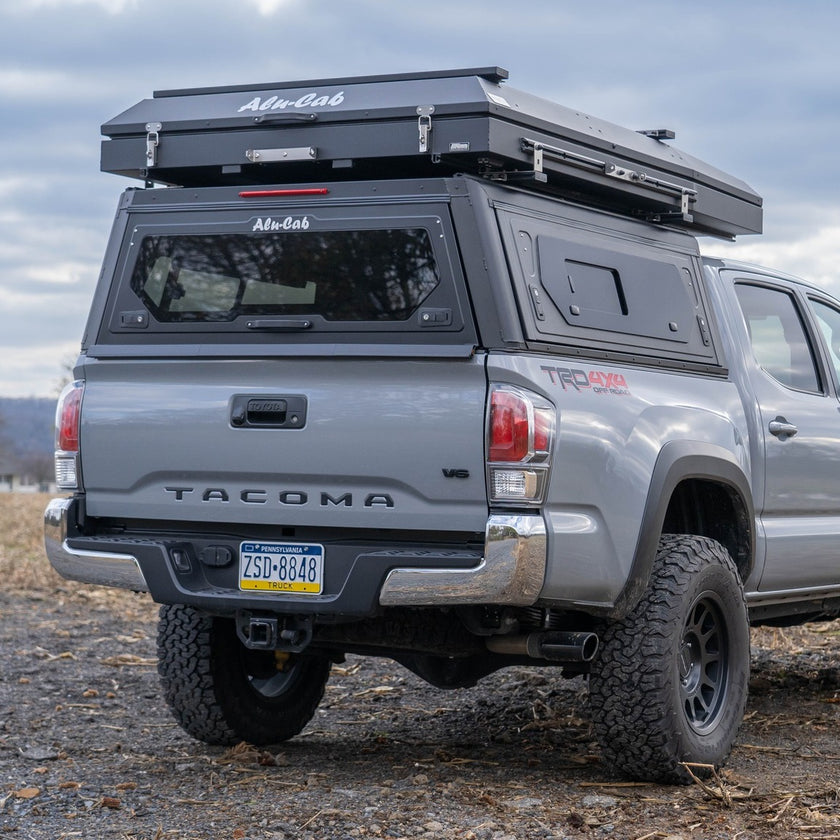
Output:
(511, 572)
(105, 568)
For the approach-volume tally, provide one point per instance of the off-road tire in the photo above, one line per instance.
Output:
(222, 693)
(669, 684)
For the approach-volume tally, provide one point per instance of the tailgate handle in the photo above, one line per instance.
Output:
(266, 412)
(259, 411)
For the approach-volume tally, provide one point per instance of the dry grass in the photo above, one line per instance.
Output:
(24, 567)
(822, 635)
(23, 564)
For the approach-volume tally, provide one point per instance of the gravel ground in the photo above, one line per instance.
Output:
(89, 750)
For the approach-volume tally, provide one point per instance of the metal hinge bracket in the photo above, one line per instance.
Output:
(658, 133)
(289, 155)
(424, 125)
(541, 151)
(152, 143)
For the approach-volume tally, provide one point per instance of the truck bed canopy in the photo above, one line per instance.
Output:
(418, 125)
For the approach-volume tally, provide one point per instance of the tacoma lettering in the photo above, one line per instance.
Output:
(179, 492)
(327, 499)
(214, 494)
(291, 497)
(296, 498)
(253, 497)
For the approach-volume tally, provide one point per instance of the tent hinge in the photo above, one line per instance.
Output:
(543, 151)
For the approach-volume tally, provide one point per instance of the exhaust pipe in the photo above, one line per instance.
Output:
(555, 645)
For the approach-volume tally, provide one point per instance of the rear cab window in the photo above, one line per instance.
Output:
(356, 275)
(346, 274)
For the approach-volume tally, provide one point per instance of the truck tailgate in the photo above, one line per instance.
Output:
(350, 443)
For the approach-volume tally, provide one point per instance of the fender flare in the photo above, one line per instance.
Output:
(677, 462)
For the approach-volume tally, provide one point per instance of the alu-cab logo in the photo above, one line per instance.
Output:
(308, 100)
(289, 223)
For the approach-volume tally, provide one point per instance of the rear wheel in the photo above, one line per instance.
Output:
(669, 684)
(222, 693)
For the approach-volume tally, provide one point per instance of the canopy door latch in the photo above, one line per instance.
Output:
(424, 125)
(152, 142)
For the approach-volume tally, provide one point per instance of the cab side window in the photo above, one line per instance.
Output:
(779, 341)
(828, 320)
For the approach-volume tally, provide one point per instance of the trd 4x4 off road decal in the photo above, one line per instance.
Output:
(597, 381)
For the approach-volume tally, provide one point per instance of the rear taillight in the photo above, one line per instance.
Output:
(520, 437)
(510, 430)
(67, 421)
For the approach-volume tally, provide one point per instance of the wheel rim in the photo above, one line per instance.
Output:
(268, 675)
(703, 660)
(272, 686)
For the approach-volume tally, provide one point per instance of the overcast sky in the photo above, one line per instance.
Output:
(751, 87)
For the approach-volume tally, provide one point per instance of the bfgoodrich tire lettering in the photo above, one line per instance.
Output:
(669, 684)
(222, 693)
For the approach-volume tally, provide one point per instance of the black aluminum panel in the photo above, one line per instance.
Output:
(366, 127)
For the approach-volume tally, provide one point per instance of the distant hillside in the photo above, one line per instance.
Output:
(26, 426)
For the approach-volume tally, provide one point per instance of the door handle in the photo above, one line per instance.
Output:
(782, 429)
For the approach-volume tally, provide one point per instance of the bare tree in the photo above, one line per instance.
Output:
(67, 365)
(38, 467)
(5, 445)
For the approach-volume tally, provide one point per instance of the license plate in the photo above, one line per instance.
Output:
(296, 568)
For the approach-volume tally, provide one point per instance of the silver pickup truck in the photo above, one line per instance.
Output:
(427, 368)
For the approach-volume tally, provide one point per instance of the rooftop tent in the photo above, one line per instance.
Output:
(418, 125)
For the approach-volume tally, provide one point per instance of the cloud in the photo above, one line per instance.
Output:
(39, 88)
(113, 7)
(37, 370)
(814, 256)
(270, 7)
(750, 87)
